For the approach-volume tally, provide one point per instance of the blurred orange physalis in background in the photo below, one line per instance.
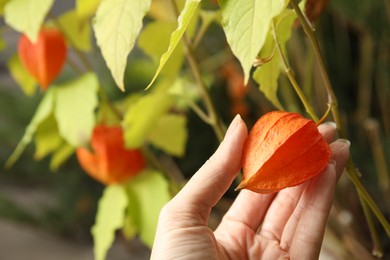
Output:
(314, 8)
(110, 162)
(236, 89)
(45, 58)
(283, 149)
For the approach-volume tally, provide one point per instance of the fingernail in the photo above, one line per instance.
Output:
(345, 141)
(331, 124)
(233, 126)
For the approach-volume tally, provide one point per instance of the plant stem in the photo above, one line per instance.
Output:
(213, 118)
(202, 115)
(309, 30)
(309, 109)
(377, 247)
(354, 177)
(332, 100)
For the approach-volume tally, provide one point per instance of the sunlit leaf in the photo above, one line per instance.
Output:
(109, 218)
(148, 193)
(267, 77)
(27, 82)
(170, 134)
(183, 22)
(129, 228)
(27, 16)
(47, 138)
(117, 24)
(184, 88)
(2, 4)
(85, 9)
(77, 33)
(74, 110)
(160, 32)
(267, 74)
(246, 24)
(44, 109)
(141, 118)
(60, 156)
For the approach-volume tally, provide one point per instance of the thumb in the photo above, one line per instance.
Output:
(213, 179)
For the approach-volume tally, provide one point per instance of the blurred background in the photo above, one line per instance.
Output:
(48, 215)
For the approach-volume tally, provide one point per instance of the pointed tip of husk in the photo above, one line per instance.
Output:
(241, 186)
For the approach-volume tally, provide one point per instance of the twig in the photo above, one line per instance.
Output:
(351, 169)
(309, 30)
(309, 109)
(213, 118)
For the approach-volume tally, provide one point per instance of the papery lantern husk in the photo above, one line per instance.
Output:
(110, 162)
(45, 58)
(282, 150)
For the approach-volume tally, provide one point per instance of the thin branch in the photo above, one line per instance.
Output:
(213, 118)
(310, 32)
(351, 169)
(377, 246)
(291, 77)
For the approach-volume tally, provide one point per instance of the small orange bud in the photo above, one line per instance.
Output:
(45, 58)
(283, 149)
(110, 162)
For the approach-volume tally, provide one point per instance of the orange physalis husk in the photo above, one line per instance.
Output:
(45, 58)
(282, 150)
(110, 162)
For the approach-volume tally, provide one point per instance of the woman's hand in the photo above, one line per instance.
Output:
(287, 224)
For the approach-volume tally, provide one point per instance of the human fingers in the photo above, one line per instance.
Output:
(328, 131)
(212, 180)
(305, 229)
(249, 208)
(286, 200)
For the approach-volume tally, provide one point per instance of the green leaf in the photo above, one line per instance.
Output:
(246, 24)
(27, 16)
(77, 32)
(170, 134)
(2, 5)
(160, 32)
(117, 25)
(141, 118)
(148, 193)
(183, 21)
(267, 74)
(85, 9)
(186, 90)
(60, 156)
(267, 77)
(47, 138)
(109, 218)
(44, 109)
(27, 82)
(76, 102)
